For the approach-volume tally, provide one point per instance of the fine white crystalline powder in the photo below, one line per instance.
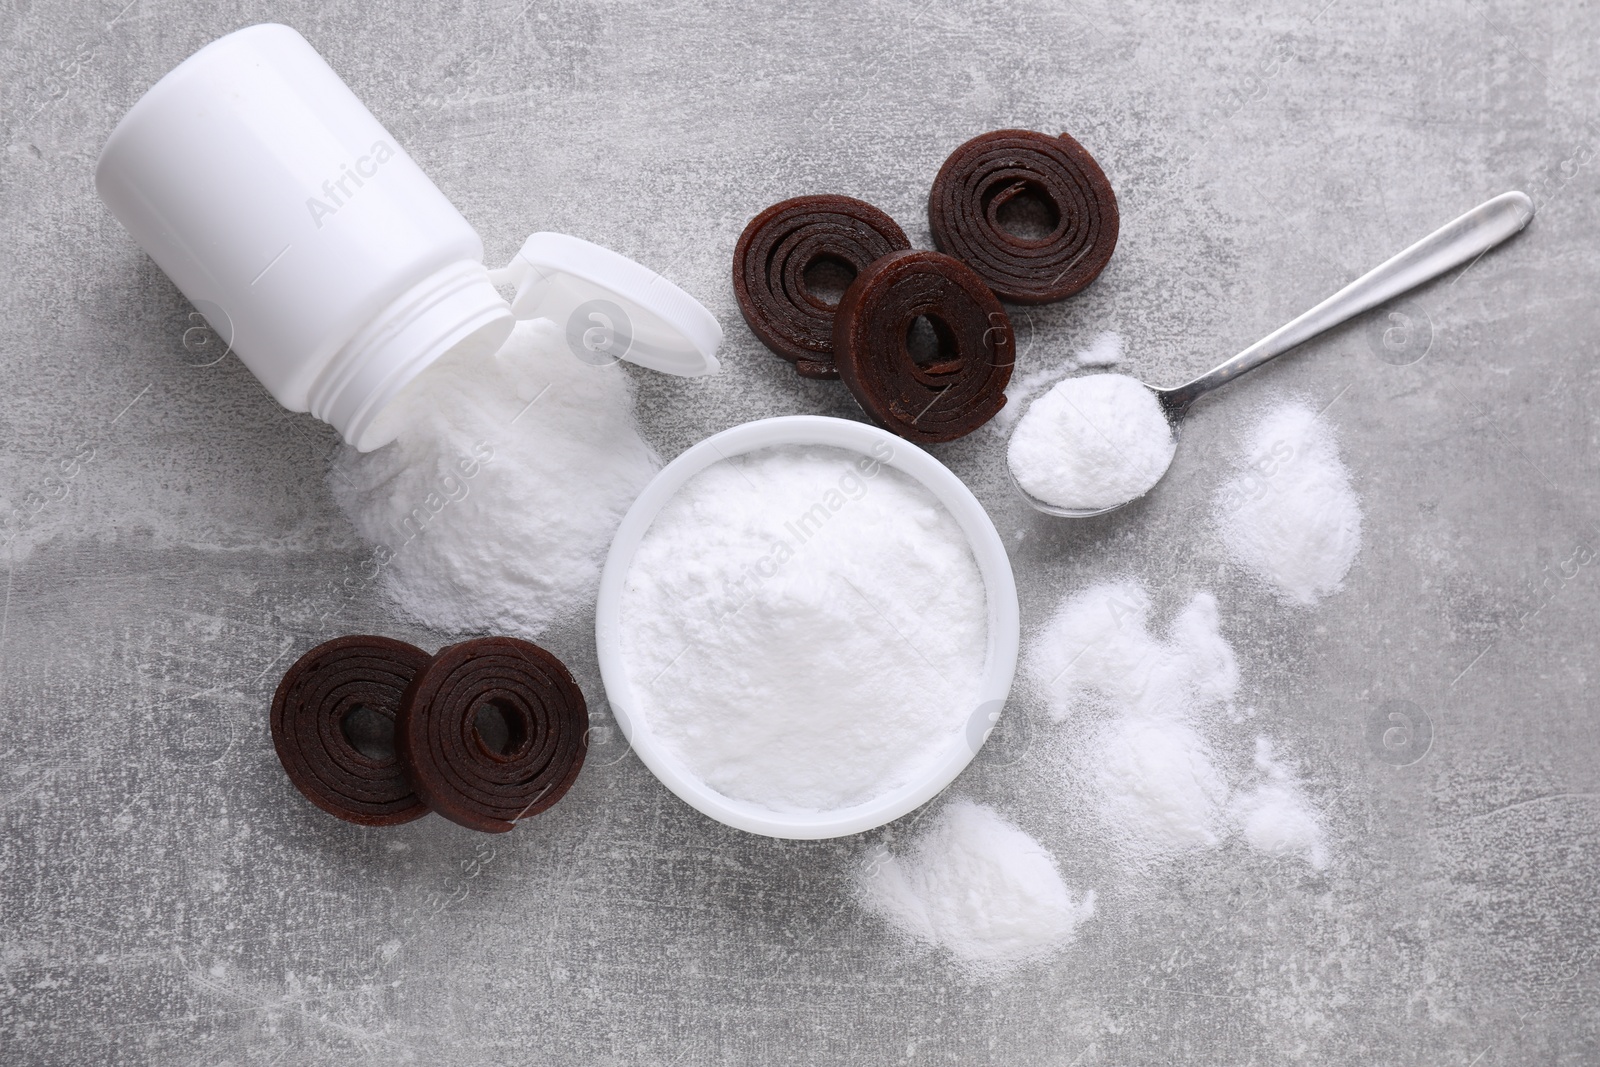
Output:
(978, 886)
(805, 628)
(494, 509)
(1091, 442)
(1146, 706)
(1290, 516)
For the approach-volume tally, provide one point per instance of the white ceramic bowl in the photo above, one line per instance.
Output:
(999, 664)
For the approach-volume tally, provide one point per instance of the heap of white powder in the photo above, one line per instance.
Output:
(1290, 516)
(494, 509)
(1142, 705)
(978, 886)
(804, 628)
(1092, 442)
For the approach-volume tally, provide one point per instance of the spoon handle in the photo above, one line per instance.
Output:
(1449, 246)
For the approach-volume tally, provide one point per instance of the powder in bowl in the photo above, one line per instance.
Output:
(1092, 442)
(804, 628)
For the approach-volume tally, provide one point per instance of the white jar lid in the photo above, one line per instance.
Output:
(611, 307)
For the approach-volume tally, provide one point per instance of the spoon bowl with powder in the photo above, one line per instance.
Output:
(1095, 443)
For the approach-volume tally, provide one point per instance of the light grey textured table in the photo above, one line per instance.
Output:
(165, 897)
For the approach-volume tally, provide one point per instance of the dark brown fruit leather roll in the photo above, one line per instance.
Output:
(963, 386)
(460, 773)
(772, 257)
(994, 170)
(309, 711)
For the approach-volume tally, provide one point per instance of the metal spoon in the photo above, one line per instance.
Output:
(1467, 237)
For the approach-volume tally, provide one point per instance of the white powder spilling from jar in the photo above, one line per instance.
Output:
(1146, 706)
(805, 628)
(1092, 442)
(493, 510)
(1290, 516)
(978, 886)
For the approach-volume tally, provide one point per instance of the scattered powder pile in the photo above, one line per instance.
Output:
(1275, 816)
(1158, 784)
(1092, 442)
(805, 628)
(494, 509)
(977, 886)
(1290, 517)
(1097, 653)
(1104, 350)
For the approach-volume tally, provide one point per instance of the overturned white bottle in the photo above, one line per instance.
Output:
(329, 262)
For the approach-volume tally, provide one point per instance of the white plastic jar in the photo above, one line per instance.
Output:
(325, 257)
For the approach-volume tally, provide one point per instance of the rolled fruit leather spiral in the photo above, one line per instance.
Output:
(963, 386)
(451, 764)
(772, 257)
(1004, 169)
(318, 699)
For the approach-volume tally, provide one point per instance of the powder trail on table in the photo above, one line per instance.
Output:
(1290, 516)
(1105, 349)
(805, 628)
(978, 886)
(1021, 387)
(1092, 442)
(493, 510)
(1140, 705)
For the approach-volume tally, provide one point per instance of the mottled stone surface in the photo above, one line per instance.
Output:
(165, 896)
